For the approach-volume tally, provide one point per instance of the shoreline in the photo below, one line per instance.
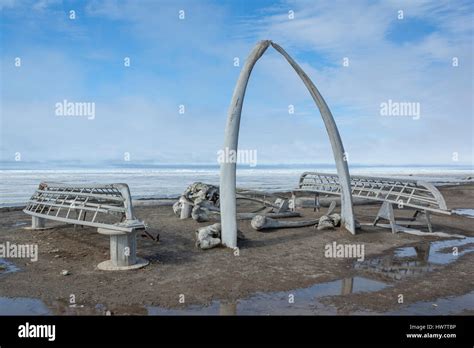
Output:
(439, 180)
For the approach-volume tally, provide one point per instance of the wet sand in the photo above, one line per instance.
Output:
(271, 266)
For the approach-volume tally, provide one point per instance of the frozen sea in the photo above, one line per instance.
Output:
(17, 184)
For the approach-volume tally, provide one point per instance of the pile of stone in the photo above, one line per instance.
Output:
(328, 222)
(210, 236)
(198, 201)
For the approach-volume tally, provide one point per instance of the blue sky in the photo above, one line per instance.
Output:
(190, 62)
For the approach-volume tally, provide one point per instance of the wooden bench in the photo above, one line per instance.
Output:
(422, 197)
(107, 207)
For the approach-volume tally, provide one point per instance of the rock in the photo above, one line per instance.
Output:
(65, 272)
(209, 243)
(200, 214)
(336, 219)
(177, 208)
(208, 237)
(258, 222)
(325, 223)
(196, 202)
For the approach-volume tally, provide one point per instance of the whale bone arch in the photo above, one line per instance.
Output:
(228, 207)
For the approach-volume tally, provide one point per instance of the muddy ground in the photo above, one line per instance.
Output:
(278, 260)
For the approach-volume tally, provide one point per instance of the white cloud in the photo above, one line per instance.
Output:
(190, 62)
(379, 70)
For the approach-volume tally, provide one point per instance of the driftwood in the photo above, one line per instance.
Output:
(208, 237)
(200, 202)
(264, 209)
(214, 216)
(308, 202)
(249, 216)
(331, 208)
(186, 208)
(325, 223)
(160, 202)
(281, 203)
(259, 193)
(261, 222)
(196, 202)
(253, 199)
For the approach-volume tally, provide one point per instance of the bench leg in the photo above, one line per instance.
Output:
(37, 223)
(386, 212)
(316, 203)
(123, 253)
(428, 221)
(292, 203)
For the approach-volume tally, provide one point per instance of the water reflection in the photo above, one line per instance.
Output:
(402, 262)
(463, 304)
(23, 306)
(303, 301)
(306, 302)
(7, 267)
(418, 259)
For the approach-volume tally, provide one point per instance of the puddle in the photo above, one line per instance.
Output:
(7, 267)
(33, 306)
(402, 262)
(18, 224)
(306, 301)
(415, 260)
(442, 306)
(22, 306)
(468, 212)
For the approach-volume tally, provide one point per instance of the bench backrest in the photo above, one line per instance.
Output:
(404, 192)
(105, 206)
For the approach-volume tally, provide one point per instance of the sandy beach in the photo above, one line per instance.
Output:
(271, 267)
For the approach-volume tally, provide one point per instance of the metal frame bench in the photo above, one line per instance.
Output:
(420, 196)
(107, 207)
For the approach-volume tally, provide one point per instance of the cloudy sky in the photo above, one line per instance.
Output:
(182, 54)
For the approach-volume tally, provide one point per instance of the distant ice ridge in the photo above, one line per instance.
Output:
(16, 186)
